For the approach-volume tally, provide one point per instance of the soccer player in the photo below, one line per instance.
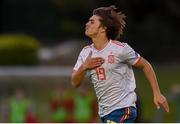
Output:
(108, 63)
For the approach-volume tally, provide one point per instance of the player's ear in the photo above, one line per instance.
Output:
(103, 29)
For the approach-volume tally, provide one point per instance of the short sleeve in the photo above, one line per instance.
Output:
(81, 58)
(79, 62)
(129, 55)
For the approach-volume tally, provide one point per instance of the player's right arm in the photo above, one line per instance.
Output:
(77, 76)
(90, 63)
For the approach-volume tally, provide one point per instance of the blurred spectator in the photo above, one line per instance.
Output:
(83, 106)
(31, 116)
(86, 107)
(20, 108)
(62, 105)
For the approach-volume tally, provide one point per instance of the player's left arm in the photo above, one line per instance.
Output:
(148, 70)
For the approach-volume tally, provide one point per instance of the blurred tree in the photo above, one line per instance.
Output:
(18, 50)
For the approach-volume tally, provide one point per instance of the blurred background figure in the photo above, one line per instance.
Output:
(62, 105)
(84, 106)
(20, 110)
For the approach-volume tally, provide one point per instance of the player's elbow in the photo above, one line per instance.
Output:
(74, 82)
(76, 79)
(75, 85)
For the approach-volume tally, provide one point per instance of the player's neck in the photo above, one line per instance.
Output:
(100, 42)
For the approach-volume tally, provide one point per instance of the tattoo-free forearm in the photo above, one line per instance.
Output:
(77, 76)
(151, 76)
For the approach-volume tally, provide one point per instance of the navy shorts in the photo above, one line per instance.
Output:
(124, 115)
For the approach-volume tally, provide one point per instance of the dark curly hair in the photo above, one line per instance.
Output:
(114, 21)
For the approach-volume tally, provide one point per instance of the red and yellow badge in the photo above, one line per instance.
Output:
(111, 58)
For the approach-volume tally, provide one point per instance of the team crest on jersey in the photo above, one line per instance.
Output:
(111, 59)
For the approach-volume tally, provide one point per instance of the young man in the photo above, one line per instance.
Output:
(109, 63)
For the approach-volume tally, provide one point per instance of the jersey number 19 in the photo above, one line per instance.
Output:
(101, 73)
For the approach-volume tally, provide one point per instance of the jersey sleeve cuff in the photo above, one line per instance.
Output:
(137, 60)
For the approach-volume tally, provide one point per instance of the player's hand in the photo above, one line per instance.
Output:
(91, 63)
(160, 100)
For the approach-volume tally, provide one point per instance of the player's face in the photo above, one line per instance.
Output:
(93, 26)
